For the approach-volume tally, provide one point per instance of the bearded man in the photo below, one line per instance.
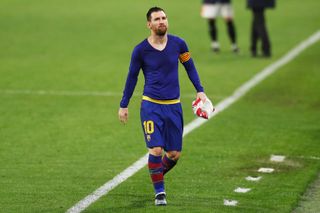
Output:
(161, 113)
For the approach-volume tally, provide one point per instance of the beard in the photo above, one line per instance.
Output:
(161, 31)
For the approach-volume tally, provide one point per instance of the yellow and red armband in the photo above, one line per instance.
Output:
(184, 57)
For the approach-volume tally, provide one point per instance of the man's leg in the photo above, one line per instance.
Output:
(213, 35)
(169, 160)
(232, 34)
(227, 14)
(254, 33)
(152, 126)
(156, 174)
(263, 33)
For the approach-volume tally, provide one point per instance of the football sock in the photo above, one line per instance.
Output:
(213, 29)
(231, 31)
(167, 164)
(156, 172)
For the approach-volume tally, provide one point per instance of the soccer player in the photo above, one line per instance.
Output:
(161, 113)
(211, 9)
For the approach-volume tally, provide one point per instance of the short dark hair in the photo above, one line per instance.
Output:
(151, 10)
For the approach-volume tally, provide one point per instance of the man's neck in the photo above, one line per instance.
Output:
(156, 39)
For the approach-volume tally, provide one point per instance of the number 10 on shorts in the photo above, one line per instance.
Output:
(148, 127)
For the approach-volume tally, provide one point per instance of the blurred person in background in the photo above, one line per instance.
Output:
(258, 29)
(211, 9)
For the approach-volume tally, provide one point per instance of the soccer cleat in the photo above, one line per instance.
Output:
(160, 199)
(216, 49)
(254, 54)
(266, 55)
(235, 48)
(215, 46)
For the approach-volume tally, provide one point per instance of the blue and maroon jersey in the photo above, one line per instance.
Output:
(160, 69)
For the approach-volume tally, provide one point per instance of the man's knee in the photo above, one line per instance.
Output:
(228, 20)
(156, 151)
(173, 155)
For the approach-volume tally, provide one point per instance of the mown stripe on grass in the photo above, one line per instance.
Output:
(60, 93)
(73, 93)
(240, 92)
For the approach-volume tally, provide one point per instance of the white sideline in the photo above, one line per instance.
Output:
(241, 91)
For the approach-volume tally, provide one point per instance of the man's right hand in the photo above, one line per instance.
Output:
(123, 115)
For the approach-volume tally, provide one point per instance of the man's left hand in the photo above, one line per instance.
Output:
(202, 96)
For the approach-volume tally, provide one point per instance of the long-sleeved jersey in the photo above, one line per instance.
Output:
(160, 69)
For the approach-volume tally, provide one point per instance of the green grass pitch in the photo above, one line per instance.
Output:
(56, 149)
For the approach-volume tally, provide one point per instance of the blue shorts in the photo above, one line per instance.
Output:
(162, 125)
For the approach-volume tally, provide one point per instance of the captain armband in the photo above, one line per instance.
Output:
(184, 57)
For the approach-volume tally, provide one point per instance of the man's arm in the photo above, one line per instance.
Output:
(193, 74)
(186, 60)
(132, 78)
(194, 77)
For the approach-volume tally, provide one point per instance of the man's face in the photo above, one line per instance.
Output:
(158, 23)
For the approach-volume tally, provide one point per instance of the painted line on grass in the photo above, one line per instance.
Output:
(310, 157)
(254, 179)
(108, 186)
(240, 92)
(277, 158)
(242, 190)
(266, 170)
(227, 202)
